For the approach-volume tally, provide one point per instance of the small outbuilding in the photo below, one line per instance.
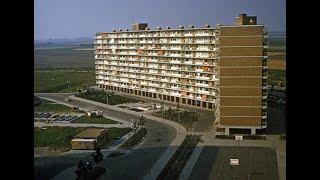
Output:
(90, 138)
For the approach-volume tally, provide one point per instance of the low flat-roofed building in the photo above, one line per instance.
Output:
(90, 138)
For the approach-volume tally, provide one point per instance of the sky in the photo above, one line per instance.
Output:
(83, 18)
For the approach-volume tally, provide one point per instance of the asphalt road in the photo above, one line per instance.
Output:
(276, 119)
(131, 166)
(255, 163)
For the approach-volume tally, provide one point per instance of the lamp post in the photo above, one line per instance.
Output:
(54, 88)
(68, 86)
(109, 95)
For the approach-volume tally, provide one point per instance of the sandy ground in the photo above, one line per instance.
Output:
(277, 64)
(47, 151)
(276, 53)
(84, 49)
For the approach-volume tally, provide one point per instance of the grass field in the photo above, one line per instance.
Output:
(187, 118)
(63, 57)
(55, 136)
(59, 80)
(60, 137)
(49, 106)
(275, 76)
(118, 132)
(106, 98)
(98, 120)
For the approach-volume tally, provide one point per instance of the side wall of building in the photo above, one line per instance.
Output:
(241, 71)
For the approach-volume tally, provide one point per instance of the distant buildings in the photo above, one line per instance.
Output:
(222, 68)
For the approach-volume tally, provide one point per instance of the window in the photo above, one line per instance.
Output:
(204, 104)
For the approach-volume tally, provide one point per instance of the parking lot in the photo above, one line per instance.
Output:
(255, 163)
(55, 117)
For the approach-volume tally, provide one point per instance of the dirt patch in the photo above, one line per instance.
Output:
(276, 53)
(277, 64)
(47, 151)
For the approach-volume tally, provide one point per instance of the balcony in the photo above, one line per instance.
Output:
(175, 87)
(175, 94)
(264, 105)
(175, 62)
(202, 85)
(264, 125)
(199, 70)
(203, 92)
(198, 63)
(152, 60)
(264, 115)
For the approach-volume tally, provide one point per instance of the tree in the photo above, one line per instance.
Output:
(81, 171)
(97, 156)
(142, 120)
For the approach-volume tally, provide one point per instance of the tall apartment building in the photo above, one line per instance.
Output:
(222, 69)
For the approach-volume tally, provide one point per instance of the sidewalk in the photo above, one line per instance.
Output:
(166, 156)
(193, 159)
(129, 124)
(39, 124)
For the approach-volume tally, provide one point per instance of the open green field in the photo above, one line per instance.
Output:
(117, 132)
(106, 97)
(275, 76)
(60, 137)
(59, 80)
(63, 56)
(187, 118)
(49, 106)
(55, 136)
(97, 120)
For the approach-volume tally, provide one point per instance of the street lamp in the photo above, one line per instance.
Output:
(109, 95)
(54, 88)
(108, 98)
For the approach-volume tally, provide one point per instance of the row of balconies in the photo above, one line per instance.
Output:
(167, 72)
(173, 89)
(177, 62)
(166, 41)
(148, 34)
(193, 56)
(152, 47)
(164, 82)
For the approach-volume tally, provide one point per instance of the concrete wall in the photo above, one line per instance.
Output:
(241, 111)
(241, 51)
(240, 91)
(83, 145)
(240, 82)
(241, 71)
(240, 121)
(241, 31)
(242, 41)
(246, 61)
(240, 101)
